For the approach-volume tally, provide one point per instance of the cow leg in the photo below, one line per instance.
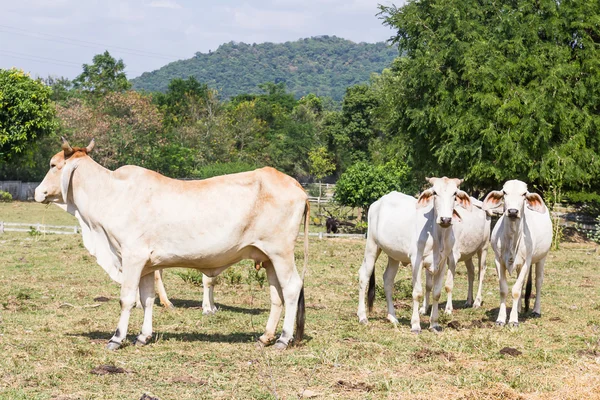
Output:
(276, 305)
(415, 321)
(470, 278)
(438, 280)
(208, 298)
(482, 268)
(517, 294)
(147, 297)
(129, 291)
(388, 284)
(364, 274)
(539, 279)
(291, 285)
(501, 270)
(450, 283)
(160, 287)
(428, 288)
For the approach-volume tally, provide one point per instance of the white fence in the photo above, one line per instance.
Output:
(37, 227)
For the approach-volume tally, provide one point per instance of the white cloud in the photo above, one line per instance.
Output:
(164, 4)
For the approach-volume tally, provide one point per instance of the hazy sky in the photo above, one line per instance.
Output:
(55, 37)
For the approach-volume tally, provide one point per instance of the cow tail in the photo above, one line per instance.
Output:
(371, 291)
(300, 313)
(528, 288)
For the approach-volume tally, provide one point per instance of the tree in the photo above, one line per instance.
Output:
(494, 91)
(321, 165)
(363, 183)
(183, 101)
(26, 112)
(104, 75)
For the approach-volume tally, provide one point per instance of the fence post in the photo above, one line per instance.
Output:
(1, 227)
(320, 235)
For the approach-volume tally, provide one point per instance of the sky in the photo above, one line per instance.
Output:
(56, 37)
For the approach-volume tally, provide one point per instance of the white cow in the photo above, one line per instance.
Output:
(437, 211)
(522, 237)
(136, 221)
(392, 228)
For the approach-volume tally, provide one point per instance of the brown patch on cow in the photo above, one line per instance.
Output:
(426, 353)
(362, 386)
(187, 379)
(101, 299)
(510, 351)
(108, 369)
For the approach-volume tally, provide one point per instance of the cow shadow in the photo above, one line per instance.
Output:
(184, 303)
(492, 315)
(233, 337)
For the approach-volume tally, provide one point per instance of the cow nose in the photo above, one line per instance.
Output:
(512, 213)
(445, 221)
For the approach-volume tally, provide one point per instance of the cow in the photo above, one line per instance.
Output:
(392, 228)
(522, 237)
(136, 221)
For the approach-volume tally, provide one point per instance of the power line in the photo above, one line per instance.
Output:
(83, 43)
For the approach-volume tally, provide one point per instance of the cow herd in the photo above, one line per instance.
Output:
(136, 222)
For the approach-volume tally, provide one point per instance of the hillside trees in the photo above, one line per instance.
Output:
(494, 91)
(104, 75)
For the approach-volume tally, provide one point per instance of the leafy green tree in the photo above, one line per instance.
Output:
(321, 165)
(184, 101)
(104, 75)
(363, 183)
(494, 91)
(26, 113)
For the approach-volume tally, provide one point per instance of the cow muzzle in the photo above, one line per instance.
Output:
(41, 196)
(512, 213)
(445, 222)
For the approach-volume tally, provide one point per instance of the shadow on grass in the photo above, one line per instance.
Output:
(182, 303)
(492, 315)
(233, 337)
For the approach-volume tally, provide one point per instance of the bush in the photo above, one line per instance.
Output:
(5, 197)
(218, 169)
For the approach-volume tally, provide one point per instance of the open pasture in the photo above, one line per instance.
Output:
(58, 309)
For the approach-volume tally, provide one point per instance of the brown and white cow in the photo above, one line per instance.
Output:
(522, 237)
(136, 221)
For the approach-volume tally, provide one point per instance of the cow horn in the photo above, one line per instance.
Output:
(90, 146)
(66, 146)
(459, 181)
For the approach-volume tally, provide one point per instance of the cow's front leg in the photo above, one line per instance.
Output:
(415, 321)
(501, 270)
(208, 298)
(129, 291)
(276, 305)
(470, 280)
(438, 280)
(516, 294)
(147, 298)
(450, 283)
(428, 288)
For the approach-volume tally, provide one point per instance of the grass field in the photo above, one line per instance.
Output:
(58, 309)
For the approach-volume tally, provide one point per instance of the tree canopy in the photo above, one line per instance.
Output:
(493, 91)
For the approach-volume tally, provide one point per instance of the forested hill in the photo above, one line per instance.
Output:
(323, 65)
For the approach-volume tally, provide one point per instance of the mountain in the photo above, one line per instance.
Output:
(324, 65)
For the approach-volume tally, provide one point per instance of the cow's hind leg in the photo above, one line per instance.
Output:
(427, 297)
(208, 298)
(276, 305)
(147, 298)
(539, 279)
(129, 291)
(482, 268)
(388, 284)
(291, 287)
(367, 269)
(160, 288)
(470, 279)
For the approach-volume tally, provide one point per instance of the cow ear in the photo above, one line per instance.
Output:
(464, 200)
(493, 199)
(456, 216)
(535, 202)
(425, 198)
(65, 177)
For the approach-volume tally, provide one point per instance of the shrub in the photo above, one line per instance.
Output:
(5, 197)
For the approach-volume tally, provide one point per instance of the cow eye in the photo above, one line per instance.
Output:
(52, 165)
(434, 193)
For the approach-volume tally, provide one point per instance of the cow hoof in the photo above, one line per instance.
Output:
(436, 329)
(448, 311)
(363, 321)
(392, 319)
(112, 346)
(469, 304)
(422, 311)
(415, 331)
(500, 323)
(169, 306)
(280, 345)
(141, 341)
(536, 315)
(477, 304)
(514, 324)
(208, 312)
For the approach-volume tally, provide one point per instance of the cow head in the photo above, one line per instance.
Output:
(54, 187)
(445, 195)
(514, 194)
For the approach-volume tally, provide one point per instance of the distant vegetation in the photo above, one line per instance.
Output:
(324, 65)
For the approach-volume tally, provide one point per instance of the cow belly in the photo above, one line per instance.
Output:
(207, 260)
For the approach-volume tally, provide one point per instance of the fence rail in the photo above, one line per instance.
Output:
(37, 227)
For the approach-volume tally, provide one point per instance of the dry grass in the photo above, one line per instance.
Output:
(53, 333)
